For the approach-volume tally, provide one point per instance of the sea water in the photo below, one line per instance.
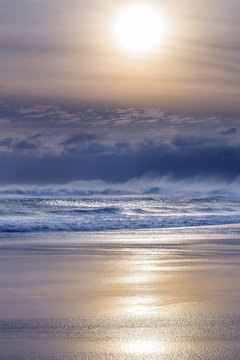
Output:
(98, 213)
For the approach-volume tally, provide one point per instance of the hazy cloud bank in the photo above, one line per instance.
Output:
(164, 187)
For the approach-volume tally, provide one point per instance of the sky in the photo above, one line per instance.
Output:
(75, 105)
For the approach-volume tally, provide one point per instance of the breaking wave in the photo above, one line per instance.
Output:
(96, 213)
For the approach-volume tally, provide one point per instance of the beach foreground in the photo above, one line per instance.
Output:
(142, 294)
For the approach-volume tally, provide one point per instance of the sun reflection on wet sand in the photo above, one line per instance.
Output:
(138, 304)
(138, 290)
(116, 305)
(144, 347)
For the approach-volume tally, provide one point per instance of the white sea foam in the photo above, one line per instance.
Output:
(166, 187)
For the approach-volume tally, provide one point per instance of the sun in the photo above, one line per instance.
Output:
(140, 29)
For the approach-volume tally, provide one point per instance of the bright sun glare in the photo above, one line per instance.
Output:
(140, 28)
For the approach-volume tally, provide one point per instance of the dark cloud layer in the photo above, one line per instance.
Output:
(56, 144)
(110, 164)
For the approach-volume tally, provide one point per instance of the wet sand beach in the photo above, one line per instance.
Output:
(121, 295)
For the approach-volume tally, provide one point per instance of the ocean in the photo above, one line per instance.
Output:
(113, 212)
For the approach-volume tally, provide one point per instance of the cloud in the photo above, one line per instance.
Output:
(229, 131)
(78, 139)
(99, 161)
(114, 144)
(11, 144)
(6, 142)
(24, 145)
(182, 142)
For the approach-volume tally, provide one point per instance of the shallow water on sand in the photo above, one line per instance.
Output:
(121, 295)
